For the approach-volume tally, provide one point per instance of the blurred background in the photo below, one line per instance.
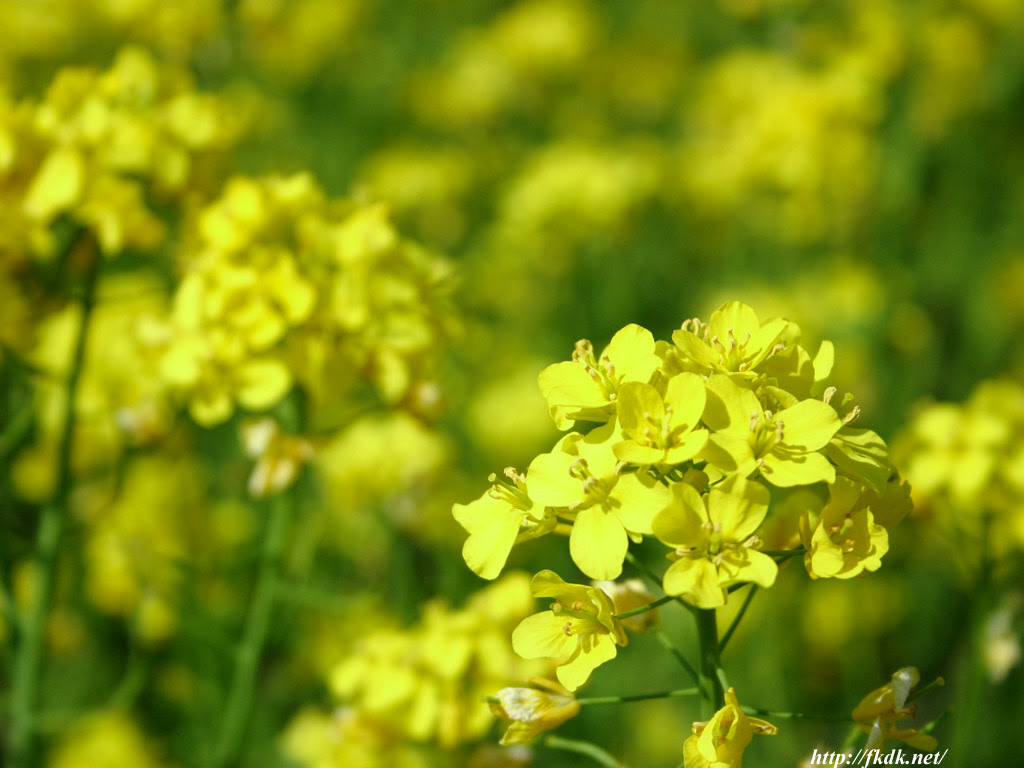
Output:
(554, 169)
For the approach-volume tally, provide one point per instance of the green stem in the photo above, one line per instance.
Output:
(915, 695)
(638, 697)
(654, 578)
(757, 711)
(736, 620)
(669, 646)
(783, 554)
(250, 650)
(28, 655)
(711, 673)
(645, 608)
(134, 679)
(592, 751)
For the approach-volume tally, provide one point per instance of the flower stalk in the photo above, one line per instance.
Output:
(28, 655)
(249, 651)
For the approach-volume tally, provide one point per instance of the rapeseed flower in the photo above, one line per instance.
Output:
(879, 712)
(782, 447)
(579, 630)
(531, 711)
(607, 505)
(720, 742)
(586, 388)
(502, 517)
(715, 541)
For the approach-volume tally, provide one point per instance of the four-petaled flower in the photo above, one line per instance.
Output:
(609, 506)
(732, 341)
(661, 430)
(586, 388)
(502, 517)
(783, 447)
(846, 539)
(580, 629)
(714, 540)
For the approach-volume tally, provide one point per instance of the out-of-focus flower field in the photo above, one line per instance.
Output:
(286, 286)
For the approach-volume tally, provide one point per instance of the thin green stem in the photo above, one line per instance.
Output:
(669, 646)
(654, 578)
(915, 695)
(783, 554)
(28, 654)
(682, 692)
(250, 650)
(645, 608)
(758, 712)
(134, 679)
(736, 619)
(592, 751)
(711, 674)
(7, 611)
(851, 736)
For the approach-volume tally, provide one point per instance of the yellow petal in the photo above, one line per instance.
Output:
(493, 526)
(594, 650)
(540, 636)
(696, 579)
(598, 544)
(261, 383)
(785, 471)
(57, 185)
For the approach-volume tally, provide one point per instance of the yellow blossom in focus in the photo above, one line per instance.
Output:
(586, 388)
(714, 540)
(580, 630)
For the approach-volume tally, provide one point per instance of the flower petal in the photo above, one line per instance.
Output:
(598, 544)
(540, 636)
(594, 650)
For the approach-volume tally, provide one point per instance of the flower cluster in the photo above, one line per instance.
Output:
(692, 442)
(100, 143)
(282, 285)
(430, 682)
(966, 464)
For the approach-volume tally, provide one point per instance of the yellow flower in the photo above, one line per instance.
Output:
(580, 629)
(586, 388)
(531, 711)
(880, 711)
(661, 430)
(783, 447)
(714, 540)
(846, 538)
(105, 739)
(609, 506)
(719, 743)
(732, 341)
(504, 516)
